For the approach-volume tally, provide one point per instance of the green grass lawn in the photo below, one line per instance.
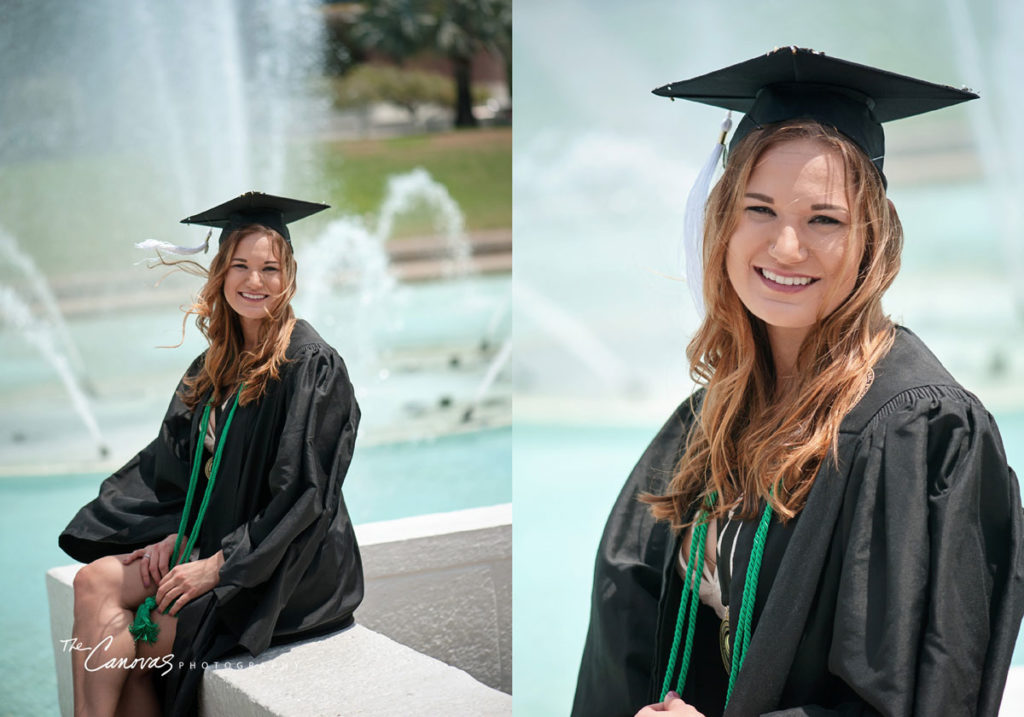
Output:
(475, 167)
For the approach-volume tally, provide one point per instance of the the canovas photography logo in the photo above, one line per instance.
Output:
(94, 660)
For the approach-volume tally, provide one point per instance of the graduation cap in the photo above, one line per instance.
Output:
(797, 83)
(256, 208)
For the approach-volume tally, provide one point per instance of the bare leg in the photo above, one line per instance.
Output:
(106, 594)
(138, 698)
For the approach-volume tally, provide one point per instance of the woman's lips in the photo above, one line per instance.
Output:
(252, 298)
(783, 283)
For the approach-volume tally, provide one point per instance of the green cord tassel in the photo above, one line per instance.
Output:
(144, 628)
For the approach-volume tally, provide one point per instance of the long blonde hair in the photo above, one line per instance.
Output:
(227, 363)
(749, 441)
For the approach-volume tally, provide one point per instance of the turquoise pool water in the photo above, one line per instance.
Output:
(385, 482)
(566, 478)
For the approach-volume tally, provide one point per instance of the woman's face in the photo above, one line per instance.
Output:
(253, 281)
(793, 258)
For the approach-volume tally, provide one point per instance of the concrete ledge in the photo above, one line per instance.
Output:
(447, 594)
(355, 672)
(442, 584)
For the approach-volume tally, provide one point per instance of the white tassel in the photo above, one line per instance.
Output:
(693, 221)
(174, 248)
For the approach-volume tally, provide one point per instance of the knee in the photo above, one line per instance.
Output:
(94, 581)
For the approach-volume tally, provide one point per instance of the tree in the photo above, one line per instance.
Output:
(465, 27)
(457, 29)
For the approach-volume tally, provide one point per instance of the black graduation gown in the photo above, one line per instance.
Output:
(898, 590)
(291, 564)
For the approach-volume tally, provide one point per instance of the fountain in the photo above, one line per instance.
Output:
(192, 102)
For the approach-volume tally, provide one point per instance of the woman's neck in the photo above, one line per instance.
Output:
(250, 333)
(785, 344)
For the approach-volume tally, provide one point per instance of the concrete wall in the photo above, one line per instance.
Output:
(440, 584)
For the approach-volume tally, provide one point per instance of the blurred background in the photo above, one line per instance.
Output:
(602, 319)
(118, 118)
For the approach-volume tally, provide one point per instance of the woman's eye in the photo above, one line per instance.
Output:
(823, 219)
(271, 269)
(761, 210)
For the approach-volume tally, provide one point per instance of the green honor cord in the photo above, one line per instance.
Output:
(144, 628)
(697, 543)
(694, 573)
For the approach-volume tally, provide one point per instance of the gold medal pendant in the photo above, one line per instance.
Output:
(724, 645)
(209, 466)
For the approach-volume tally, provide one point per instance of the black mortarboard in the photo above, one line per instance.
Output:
(256, 208)
(795, 83)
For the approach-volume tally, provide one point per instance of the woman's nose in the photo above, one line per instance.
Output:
(786, 247)
(254, 279)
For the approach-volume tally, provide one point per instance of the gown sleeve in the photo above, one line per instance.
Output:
(142, 502)
(304, 521)
(615, 670)
(931, 591)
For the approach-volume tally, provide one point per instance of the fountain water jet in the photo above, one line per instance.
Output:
(348, 249)
(405, 191)
(18, 314)
(10, 250)
(490, 376)
(1002, 153)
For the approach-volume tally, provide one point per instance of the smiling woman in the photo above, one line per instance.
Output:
(268, 416)
(831, 526)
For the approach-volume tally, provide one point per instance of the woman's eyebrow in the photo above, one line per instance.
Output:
(759, 197)
(819, 207)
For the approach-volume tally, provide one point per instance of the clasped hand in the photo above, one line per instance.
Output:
(180, 584)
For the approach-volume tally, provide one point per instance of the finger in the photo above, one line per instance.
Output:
(173, 591)
(181, 601)
(144, 573)
(161, 590)
(153, 563)
(168, 556)
(673, 701)
(131, 557)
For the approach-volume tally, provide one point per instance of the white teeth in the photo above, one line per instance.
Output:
(787, 280)
(254, 297)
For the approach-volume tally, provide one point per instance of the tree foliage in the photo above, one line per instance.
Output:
(455, 29)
